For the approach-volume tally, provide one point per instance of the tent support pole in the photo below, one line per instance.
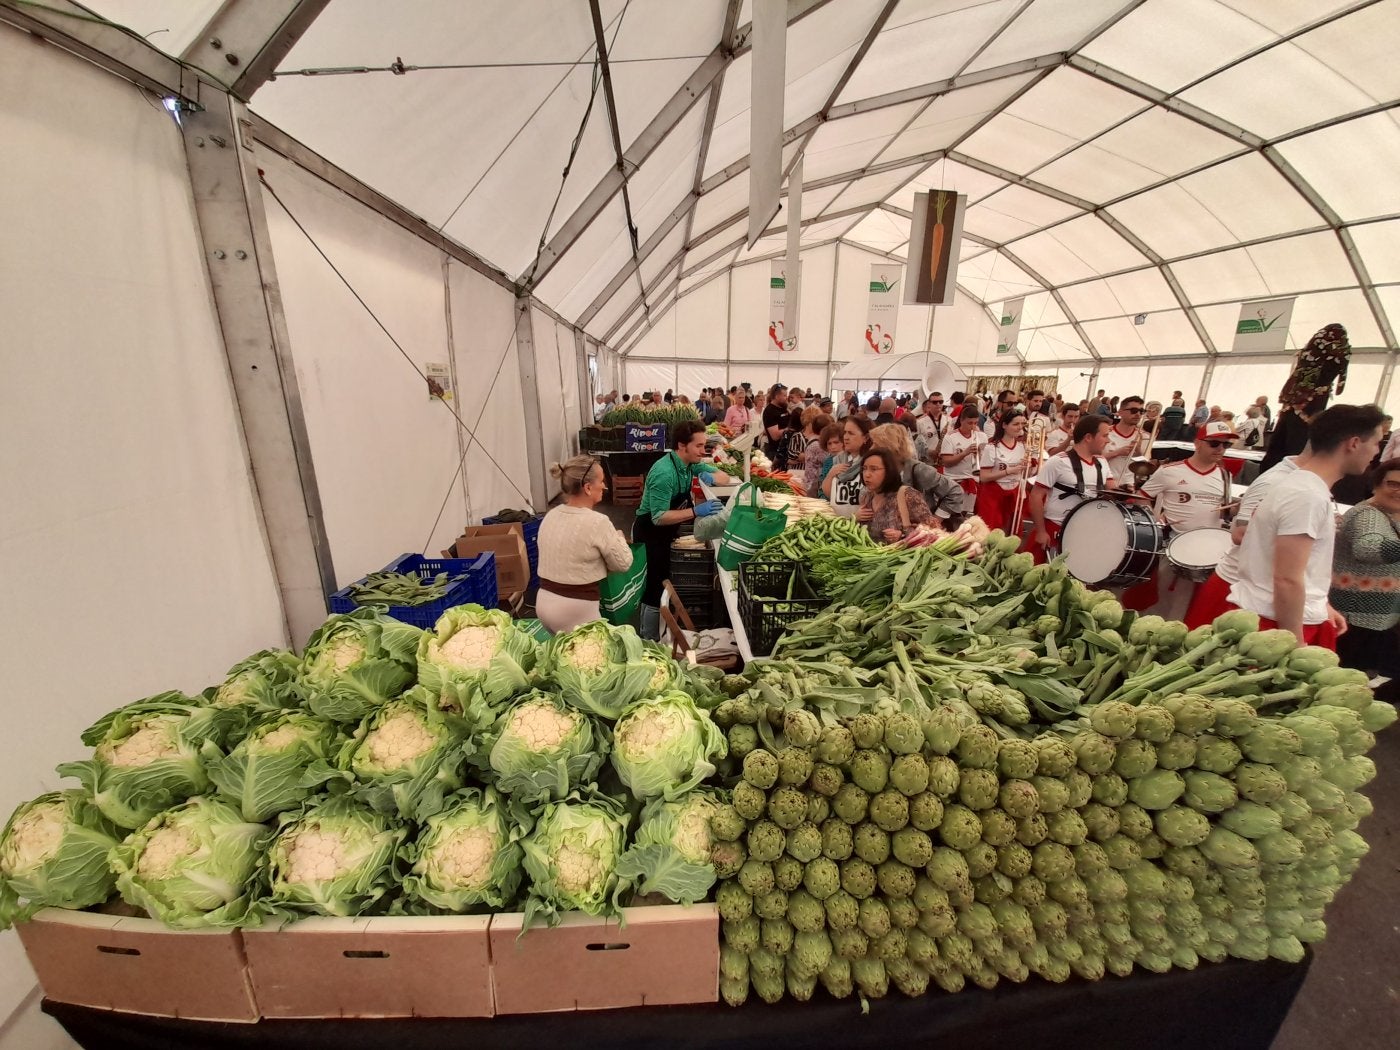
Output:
(228, 203)
(1205, 378)
(456, 381)
(728, 320)
(831, 328)
(530, 397)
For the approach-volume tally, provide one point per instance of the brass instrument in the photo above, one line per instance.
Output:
(1037, 430)
(1142, 471)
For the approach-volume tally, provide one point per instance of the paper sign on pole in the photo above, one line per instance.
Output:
(778, 339)
(1010, 324)
(1263, 325)
(931, 276)
(792, 304)
(768, 79)
(882, 309)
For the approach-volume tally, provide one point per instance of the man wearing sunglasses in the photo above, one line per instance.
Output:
(1125, 438)
(1187, 495)
(933, 426)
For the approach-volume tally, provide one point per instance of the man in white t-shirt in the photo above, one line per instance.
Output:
(933, 425)
(961, 453)
(1286, 555)
(1062, 437)
(1067, 480)
(1125, 439)
(1188, 495)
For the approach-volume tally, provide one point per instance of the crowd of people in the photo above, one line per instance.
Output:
(1023, 460)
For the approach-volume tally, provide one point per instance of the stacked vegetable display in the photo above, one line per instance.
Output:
(645, 412)
(389, 769)
(978, 771)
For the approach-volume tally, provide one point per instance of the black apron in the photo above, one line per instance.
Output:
(658, 540)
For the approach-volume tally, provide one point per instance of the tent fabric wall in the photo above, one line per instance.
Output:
(384, 451)
(133, 548)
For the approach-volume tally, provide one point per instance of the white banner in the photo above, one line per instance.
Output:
(1010, 325)
(778, 339)
(882, 309)
(1263, 325)
(792, 304)
(768, 91)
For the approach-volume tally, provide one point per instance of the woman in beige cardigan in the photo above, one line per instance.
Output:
(578, 547)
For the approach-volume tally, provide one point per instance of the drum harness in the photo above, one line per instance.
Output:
(1224, 502)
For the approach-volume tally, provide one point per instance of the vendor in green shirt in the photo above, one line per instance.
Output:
(665, 506)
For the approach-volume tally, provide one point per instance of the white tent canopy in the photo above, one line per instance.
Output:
(923, 370)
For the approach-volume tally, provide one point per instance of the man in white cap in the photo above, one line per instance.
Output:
(1188, 495)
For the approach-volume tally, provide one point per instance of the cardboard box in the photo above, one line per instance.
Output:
(139, 966)
(410, 966)
(664, 956)
(507, 543)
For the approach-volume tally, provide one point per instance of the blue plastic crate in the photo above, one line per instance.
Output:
(479, 588)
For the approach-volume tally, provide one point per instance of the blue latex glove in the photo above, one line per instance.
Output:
(710, 506)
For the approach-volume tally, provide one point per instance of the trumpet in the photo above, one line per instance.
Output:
(1037, 430)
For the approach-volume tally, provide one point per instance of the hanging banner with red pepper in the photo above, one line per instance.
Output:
(882, 309)
(778, 337)
(931, 278)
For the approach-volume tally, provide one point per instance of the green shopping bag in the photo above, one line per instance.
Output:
(751, 525)
(621, 592)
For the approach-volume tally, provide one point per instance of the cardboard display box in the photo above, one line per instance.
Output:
(411, 966)
(507, 543)
(139, 966)
(665, 955)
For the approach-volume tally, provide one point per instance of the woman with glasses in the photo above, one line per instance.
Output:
(578, 547)
(1366, 577)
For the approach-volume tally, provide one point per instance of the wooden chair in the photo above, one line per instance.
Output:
(676, 618)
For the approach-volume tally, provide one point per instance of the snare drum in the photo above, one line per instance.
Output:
(1195, 554)
(1110, 542)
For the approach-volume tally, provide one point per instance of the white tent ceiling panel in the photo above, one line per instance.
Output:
(853, 142)
(1122, 380)
(1075, 104)
(1166, 333)
(1379, 245)
(814, 202)
(723, 262)
(170, 26)
(601, 251)
(1041, 309)
(926, 40)
(1344, 164)
(1390, 302)
(966, 334)
(643, 376)
(1318, 309)
(1015, 212)
(666, 177)
(948, 175)
(700, 321)
(1363, 380)
(1140, 291)
(1119, 337)
(691, 377)
(1080, 248)
(882, 230)
(948, 117)
(1285, 88)
(1053, 343)
(1015, 144)
(1235, 383)
(721, 205)
(1282, 267)
(1044, 28)
(611, 311)
(1166, 378)
(729, 139)
(658, 45)
(659, 341)
(1189, 39)
(1239, 200)
(874, 188)
(1142, 151)
(993, 278)
(665, 254)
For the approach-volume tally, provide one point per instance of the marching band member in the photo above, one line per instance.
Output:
(1125, 438)
(1187, 495)
(1062, 437)
(961, 453)
(1286, 554)
(1067, 480)
(1003, 462)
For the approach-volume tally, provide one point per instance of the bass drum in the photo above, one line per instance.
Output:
(1195, 554)
(1109, 543)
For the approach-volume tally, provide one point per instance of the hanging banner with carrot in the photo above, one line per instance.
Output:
(931, 277)
(778, 339)
(882, 310)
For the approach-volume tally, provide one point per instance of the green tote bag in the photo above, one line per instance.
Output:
(621, 592)
(751, 524)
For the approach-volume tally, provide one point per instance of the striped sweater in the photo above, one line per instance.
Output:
(1366, 569)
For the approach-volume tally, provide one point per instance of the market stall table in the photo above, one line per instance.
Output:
(1234, 1005)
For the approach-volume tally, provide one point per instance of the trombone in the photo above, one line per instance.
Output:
(1037, 430)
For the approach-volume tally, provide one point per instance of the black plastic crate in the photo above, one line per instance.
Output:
(706, 608)
(772, 595)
